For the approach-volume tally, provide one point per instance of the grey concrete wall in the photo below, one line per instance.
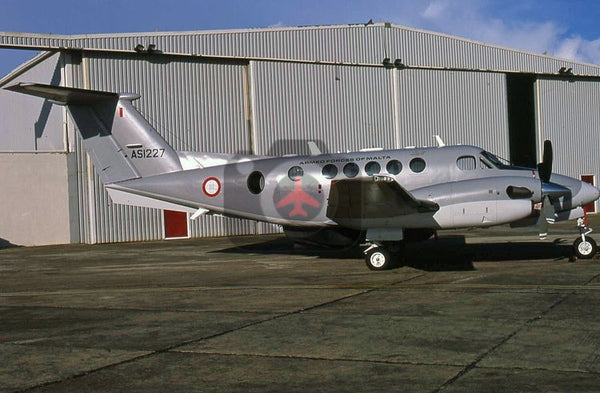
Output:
(36, 195)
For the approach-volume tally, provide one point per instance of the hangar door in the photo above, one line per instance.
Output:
(196, 105)
(339, 107)
(461, 107)
(569, 116)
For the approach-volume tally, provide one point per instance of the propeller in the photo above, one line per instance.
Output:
(549, 190)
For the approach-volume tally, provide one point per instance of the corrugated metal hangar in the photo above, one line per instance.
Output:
(269, 91)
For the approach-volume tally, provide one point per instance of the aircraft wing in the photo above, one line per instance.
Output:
(375, 197)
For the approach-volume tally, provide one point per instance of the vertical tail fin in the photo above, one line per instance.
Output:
(121, 143)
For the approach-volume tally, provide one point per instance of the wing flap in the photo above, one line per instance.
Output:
(372, 198)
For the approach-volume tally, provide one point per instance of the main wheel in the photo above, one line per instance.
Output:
(378, 258)
(585, 249)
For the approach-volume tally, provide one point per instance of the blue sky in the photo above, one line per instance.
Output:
(564, 28)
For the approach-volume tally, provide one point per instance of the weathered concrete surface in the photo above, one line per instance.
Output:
(255, 314)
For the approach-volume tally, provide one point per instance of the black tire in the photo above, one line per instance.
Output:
(585, 250)
(378, 258)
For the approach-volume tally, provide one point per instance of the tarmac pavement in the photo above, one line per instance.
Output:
(492, 310)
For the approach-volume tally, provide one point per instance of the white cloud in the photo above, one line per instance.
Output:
(435, 10)
(470, 19)
(278, 24)
(579, 49)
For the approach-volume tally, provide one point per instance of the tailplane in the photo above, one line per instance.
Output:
(119, 140)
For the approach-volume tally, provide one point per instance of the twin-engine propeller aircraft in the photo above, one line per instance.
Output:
(388, 196)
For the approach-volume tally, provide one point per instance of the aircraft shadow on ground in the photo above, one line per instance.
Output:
(447, 254)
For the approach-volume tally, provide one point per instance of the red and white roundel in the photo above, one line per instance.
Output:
(211, 186)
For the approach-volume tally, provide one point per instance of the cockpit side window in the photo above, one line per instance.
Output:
(495, 161)
(466, 163)
(499, 162)
(483, 164)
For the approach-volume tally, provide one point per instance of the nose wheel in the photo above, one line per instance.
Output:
(585, 249)
(584, 246)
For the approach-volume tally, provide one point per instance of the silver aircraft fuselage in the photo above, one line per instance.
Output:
(470, 186)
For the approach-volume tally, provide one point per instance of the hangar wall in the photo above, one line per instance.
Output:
(569, 115)
(466, 108)
(36, 197)
(37, 182)
(340, 108)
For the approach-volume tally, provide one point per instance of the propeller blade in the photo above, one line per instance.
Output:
(547, 216)
(543, 228)
(545, 167)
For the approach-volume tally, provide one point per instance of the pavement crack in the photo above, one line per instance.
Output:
(481, 357)
(516, 368)
(320, 358)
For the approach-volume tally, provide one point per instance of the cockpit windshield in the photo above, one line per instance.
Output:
(499, 163)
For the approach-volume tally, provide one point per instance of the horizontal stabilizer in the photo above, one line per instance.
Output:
(63, 95)
(119, 140)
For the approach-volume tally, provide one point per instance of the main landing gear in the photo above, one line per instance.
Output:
(584, 246)
(380, 256)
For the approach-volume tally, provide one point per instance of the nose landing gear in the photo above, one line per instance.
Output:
(584, 246)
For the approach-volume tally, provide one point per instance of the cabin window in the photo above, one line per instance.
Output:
(417, 165)
(329, 171)
(466, 163)
(295, 173)
(256, 182)
(351, 169)
(394, 167)
(372, 168)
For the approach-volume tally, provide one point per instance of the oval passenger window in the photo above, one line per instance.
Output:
(351, 169)
(417, 165)
(329, 171)
(394, 167)
(295, 173)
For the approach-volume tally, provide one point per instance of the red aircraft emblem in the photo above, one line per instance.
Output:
(297, 198)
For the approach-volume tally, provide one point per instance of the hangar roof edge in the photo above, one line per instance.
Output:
(116, 41)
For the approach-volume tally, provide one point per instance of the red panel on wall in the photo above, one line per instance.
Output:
(590, 207)
(176, 224)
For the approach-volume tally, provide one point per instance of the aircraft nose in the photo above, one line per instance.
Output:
(588, 193)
